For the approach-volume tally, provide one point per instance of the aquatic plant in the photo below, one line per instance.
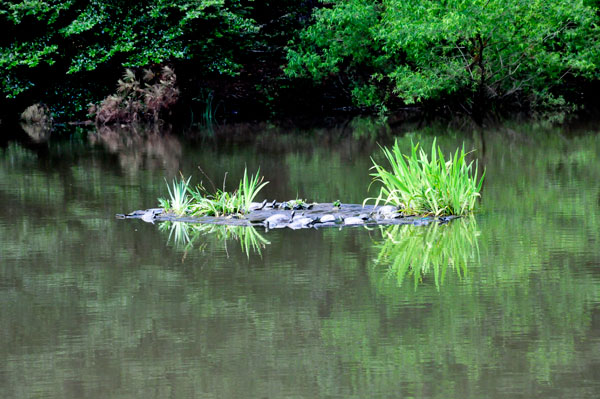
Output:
(297, 203)
(198, 201)
(179, 202)
(419, 184)
(430, 250)
(222, 202)
(207, 110)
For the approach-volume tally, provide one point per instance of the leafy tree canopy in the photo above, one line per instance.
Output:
(72, 37)
(416, 50)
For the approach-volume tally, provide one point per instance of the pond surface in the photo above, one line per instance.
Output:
(502, 305)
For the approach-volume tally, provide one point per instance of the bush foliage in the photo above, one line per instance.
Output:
(383, 53)
(139, 100)
(68, 39)
(485, 51)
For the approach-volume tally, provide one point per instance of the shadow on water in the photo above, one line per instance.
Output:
(426, 252)
(185, 236)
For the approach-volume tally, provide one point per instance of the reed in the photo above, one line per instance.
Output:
(197, 201)
(179, 202)
(429, 185)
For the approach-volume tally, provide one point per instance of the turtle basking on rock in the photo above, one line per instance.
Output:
(278, 220)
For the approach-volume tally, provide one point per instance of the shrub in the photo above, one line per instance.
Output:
(37, 113)
(139, 101)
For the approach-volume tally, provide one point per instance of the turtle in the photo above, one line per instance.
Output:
(278, 220)
(364, 216)
(387, 212)
(353, 221)
(255, 206)
(300, 223)
(151, 214)
(327, 219)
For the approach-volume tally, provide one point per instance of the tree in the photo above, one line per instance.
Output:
(64, 41)
(484, 51)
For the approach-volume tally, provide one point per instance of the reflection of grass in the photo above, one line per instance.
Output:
(428, 250)
(185, 235)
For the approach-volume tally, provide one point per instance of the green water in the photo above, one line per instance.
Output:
(502, 305)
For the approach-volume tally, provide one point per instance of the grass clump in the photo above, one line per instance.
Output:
(197, 201)
(430, 185)
(179, 201)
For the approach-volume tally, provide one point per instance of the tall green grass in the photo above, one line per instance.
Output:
(197, 201)
(422, 184)
(179, 201)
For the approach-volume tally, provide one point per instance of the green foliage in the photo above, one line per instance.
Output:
(428, 185)
(179, 200)
(199, 202)
(75, 38)
(415, 50)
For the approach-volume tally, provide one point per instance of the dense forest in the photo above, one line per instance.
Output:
(196, 60)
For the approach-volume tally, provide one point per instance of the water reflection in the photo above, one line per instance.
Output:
(140, 148)
(38, 132)
(425, 252)
(185, 236)
(94, 307)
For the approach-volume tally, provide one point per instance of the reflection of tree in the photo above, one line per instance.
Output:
(421, 251)
(138, 147)
(185, 235)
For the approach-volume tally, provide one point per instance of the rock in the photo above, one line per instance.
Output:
(446, 219)
(421, 222)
